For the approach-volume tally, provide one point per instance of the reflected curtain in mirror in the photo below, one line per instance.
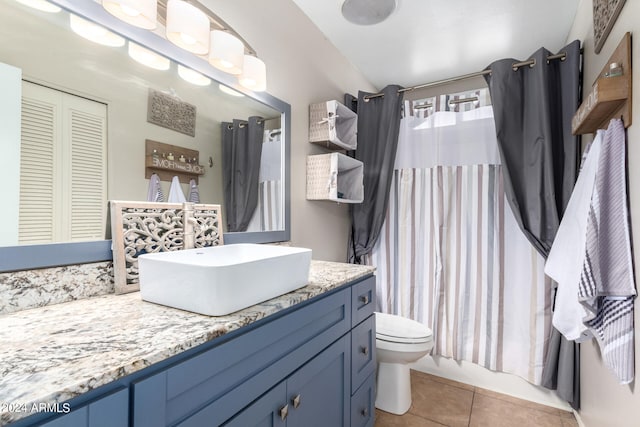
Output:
(241, 153)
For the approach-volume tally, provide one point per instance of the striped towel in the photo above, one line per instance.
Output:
(607, 287)
(155, 194)
(194, 193)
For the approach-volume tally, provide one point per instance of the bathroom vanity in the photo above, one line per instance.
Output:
(306, 358)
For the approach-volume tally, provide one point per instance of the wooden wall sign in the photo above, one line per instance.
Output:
(168, 161)
(610, 96)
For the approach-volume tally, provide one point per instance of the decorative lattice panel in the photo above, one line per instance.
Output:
(144, 227)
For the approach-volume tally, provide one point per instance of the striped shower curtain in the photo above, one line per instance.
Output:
(451, 254)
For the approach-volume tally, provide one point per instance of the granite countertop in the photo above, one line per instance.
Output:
(52, 354)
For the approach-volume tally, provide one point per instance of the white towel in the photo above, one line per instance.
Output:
(155, 194)
(607, 287)
(565, 260)
(194, 193)
(175, 192)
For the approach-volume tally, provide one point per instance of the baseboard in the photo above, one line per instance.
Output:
(475, 375)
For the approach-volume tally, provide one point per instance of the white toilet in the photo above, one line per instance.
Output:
(399, 341)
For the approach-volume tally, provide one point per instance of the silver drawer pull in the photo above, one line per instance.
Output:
(284, 411)
(296, 401)
(364, 299)
(364, 412)
(365, 350)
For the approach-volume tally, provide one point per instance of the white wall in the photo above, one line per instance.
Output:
(303, 67)
(11, 91)
(604, 402)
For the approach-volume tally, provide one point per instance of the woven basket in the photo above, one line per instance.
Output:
(333, 126)
(335, 177)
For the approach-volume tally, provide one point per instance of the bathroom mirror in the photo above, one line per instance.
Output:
(53, 58)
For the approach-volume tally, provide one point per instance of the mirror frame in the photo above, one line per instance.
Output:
(27, 257)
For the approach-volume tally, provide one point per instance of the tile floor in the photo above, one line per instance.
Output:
(441, 402)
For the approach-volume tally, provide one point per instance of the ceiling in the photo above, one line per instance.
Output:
(428, 40)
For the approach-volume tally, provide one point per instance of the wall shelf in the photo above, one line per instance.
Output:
(333, 126)
(335, 177)
(168, 161)
(610, 97)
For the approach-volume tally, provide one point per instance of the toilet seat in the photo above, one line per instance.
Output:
(396, 329)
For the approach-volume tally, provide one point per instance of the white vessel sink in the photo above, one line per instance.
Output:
(219, 280)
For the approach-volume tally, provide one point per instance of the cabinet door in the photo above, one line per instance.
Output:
(268, 411)
(319, 392)
(362, 404)
(109, 411)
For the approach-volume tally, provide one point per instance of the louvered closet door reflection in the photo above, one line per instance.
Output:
(87, 134)
(62, 167)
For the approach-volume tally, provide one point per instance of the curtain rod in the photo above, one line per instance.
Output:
(531, 62)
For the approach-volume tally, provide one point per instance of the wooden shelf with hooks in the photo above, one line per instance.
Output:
(168, 161)
(610, 96)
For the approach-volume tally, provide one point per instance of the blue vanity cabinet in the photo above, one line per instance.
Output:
(308, 349)
(308, 365)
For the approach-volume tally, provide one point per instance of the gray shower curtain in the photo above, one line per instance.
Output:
(533, 107)
(378, 127)
(241, 153)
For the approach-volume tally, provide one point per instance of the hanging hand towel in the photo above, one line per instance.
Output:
(565, 260)
(175, 192)
(607, 287)
(194, 193)
(155, 194)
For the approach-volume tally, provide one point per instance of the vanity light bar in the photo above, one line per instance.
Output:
(188, 25)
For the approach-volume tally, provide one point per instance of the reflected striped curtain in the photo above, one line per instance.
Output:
(269, 215)
(452, 256)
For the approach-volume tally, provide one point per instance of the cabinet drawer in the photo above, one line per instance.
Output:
(222, 380)
(363, 300)
(362, 404)
(363, 352)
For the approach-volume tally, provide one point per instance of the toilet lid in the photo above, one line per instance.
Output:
(400, 329)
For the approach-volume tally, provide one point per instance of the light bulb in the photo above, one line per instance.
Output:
(193, 77)
(187, 27)
(94, 32)
(226, 52)
(139, 13)
(148, 57)
(254, 74)
(229, 91)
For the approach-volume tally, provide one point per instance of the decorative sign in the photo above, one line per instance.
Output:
(585, 109)
(172, 113)
(605, 13)
(173, 165)
(168, 160)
